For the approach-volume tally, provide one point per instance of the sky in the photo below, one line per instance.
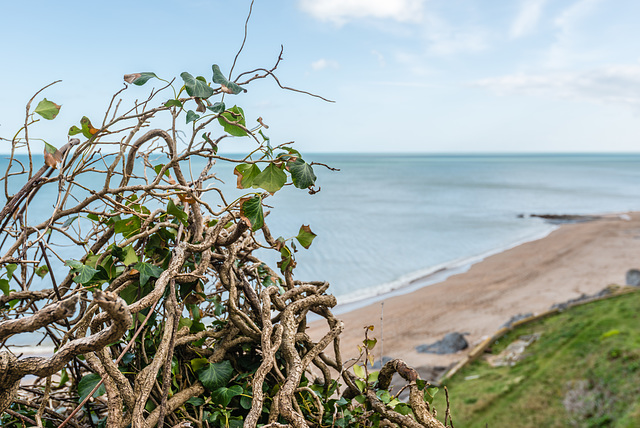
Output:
(434, 76)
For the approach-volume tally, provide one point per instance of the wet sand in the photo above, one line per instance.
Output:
(574, 259)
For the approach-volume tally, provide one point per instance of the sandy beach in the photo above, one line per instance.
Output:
(574, 259)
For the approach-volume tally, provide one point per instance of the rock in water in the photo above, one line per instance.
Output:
(450, 344)
(633, 277)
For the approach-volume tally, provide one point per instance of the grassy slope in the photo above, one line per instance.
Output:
(590, 352)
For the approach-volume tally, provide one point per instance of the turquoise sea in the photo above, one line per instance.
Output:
(384, 221)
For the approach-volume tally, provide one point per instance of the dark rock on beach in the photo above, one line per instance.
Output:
(563, 218)
(633, 277)
(582, 299)
(517, 317)
(450, 344)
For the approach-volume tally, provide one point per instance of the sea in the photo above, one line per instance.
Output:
(387, 223)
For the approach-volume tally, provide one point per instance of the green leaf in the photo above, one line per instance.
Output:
(4, 286)
(224, 395)
(217, 107)
(301, 173)
(64, 378)
(196, 87)
(305, 237)
(359, 371)
(47, 109)
(173, 103)
(42, 271)
(85, 273)
(126, 255)
(11, 268)
(251, 212)
(215, 375)
(87, 128)
(184, 322)
(147, 270)
(231, 87)
(173, 210)
(127, 226)
(192, 116)
(234, 115)
(195, 401)
(430, 393)
(74, 130)
(383, 395)
(246, 174)
(373, 377)
(87, 383)
(159, 167)
(139, 79)
(245, 402)
(198, 363)
(271, 179)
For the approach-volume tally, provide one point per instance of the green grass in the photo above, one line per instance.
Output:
(583, 371)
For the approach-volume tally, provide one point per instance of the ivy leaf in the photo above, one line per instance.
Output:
(286, 263)
(11, 268)
(224, 395)
(251, 212)
(227, 86)
(42, 271)
(173, 103)
(215, 375)
(196, 87)
(234, 115)
(359, 371)
(4, 286)
(127, 226)
(246, 174)
(173, 210)
(87, 383)
(51, 155)
(47, 109)
(192, 116)
(305, 236)
(85, 273)
(198, 363)
(127, 254)
(139, 79)
(271, 179)
(301, 173)
(217, 107)
(195, 401)
(88, 129)
(147, 270)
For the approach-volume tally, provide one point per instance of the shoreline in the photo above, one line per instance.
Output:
(573, 259)
(416, 280)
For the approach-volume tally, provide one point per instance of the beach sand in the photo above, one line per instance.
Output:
(574, 259)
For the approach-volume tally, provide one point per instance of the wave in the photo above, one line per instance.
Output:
(424, 277)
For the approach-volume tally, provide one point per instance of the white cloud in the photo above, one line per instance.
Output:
(443, 38)
(343, 11)
(527, 19)
(322, 63)
(563, 50)
(615, 84)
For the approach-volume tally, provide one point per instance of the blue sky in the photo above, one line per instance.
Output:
(406, 75)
